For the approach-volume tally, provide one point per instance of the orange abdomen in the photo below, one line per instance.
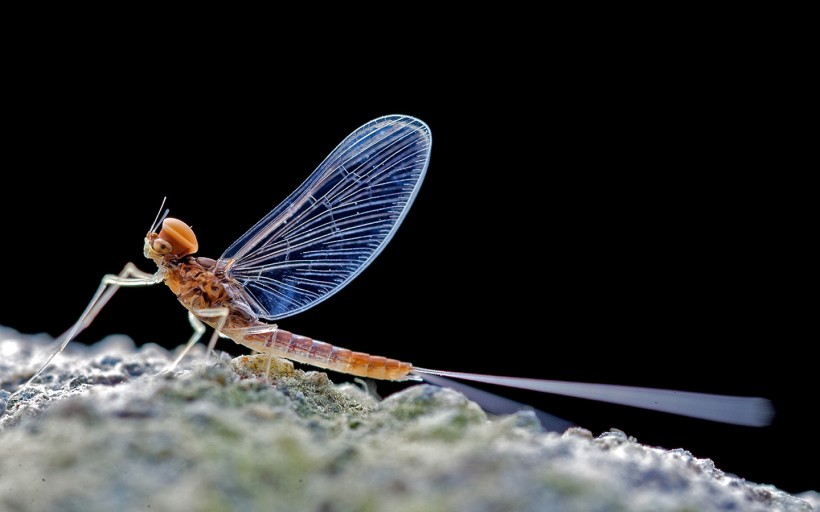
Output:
(324, 355)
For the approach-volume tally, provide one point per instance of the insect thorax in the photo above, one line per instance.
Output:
(196, 285)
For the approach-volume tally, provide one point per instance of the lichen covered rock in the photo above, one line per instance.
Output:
(104, 429)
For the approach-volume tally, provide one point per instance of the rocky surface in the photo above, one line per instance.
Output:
(105, 429)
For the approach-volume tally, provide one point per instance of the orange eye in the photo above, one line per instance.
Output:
(162, 247)
(179, 236)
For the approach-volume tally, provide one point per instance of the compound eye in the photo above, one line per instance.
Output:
(162, 247)
(179, 237)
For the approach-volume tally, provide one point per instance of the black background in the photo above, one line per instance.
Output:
(590, 222)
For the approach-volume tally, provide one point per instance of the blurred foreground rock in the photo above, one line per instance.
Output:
(102, 430)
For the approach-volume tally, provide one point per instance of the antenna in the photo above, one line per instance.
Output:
(159, 218)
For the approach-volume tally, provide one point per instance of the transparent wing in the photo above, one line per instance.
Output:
(336, 222)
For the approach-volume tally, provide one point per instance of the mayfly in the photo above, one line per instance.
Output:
(314, 243)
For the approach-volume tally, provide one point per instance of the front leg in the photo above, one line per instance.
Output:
(129, 276)
(110, 283)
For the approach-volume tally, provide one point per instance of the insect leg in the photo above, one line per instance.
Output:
(238, 333)
(263, 329)
(221, 314)
(110, 283)
(270, 355)
(129, 276)
(199, 330)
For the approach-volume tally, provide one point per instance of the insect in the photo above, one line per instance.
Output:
(314, 243)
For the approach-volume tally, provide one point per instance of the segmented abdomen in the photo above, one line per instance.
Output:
(324, 355)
